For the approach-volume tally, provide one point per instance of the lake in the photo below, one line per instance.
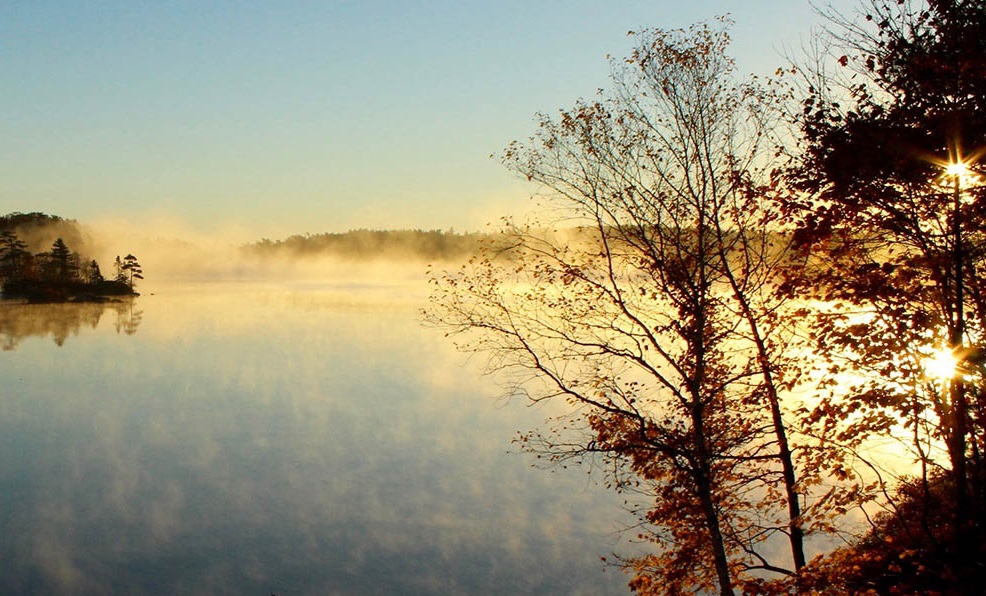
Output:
(278, 437)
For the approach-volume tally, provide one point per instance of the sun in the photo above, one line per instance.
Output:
(942, 365)
(958, 168)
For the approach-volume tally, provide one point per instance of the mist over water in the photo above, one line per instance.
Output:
(170, 251)
(298, 434)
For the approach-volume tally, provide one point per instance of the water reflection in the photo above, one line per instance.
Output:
(255, 440)
(63, 320)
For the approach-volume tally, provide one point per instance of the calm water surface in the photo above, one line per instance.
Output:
(235, 438)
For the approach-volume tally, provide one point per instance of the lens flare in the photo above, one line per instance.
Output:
(958, 168)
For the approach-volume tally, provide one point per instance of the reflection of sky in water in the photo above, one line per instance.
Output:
(254, 441)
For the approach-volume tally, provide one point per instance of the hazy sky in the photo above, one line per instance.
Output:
(294, 116)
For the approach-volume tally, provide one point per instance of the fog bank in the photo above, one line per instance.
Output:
(169, 250)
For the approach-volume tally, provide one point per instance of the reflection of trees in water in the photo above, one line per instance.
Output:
(59, 321)
(127, 317)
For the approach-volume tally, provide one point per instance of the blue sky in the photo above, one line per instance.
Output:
(296, 116)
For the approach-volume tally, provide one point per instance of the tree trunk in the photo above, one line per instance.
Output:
(795, 531)
(703, 484)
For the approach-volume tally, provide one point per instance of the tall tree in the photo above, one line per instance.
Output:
(13, 256)
(62, 262)
(650, 309)
(120, 273)
(131, 269)
(92, 275)
(894, 208)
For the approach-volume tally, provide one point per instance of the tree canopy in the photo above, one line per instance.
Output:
(734, 324)
(892, 212)
(650, 310)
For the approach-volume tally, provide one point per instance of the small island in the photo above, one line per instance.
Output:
(59, 274)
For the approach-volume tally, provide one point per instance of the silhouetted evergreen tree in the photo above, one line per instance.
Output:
(13, 256)
(118, 273)
(131, 269)
(92, 274)
(62, 263)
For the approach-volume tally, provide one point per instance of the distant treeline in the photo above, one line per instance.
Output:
(433, 245)
(58, 274)
(369, 244)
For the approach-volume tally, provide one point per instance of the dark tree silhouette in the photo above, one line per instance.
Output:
(14, 256)
(650, 311)
(92, 273)
(58, 275)
(62, 263)
(131, 269)
(894, 211)
(120, 273)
